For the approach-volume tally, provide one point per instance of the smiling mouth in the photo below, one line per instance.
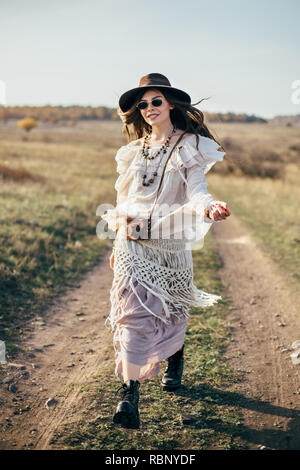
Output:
(153, 115)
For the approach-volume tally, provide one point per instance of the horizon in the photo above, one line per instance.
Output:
(114, 108)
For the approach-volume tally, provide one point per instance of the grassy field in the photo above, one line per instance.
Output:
(52, 183)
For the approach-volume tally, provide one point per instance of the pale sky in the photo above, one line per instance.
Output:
(242, 54)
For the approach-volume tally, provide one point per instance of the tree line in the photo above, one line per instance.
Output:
(54, 114)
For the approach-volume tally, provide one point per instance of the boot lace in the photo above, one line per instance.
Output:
(127, 392)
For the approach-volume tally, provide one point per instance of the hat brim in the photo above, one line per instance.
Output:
(127, 99)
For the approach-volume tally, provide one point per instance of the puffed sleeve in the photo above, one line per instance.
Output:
(115, 216)
(123, 159)
(205, 155)
(188, 221)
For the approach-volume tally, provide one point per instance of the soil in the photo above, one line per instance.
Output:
(69, 343)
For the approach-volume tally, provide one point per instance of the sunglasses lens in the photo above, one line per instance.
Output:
(144, 105)
(157, 102)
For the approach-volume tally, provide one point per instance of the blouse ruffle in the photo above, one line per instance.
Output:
(123, 158)
(188, 155)
(185, 155)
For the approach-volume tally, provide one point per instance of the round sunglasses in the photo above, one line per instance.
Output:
(144, 105)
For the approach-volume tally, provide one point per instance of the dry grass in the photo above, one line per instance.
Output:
(269, 206)
(53, 183)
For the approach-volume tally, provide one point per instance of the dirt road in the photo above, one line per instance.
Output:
(265, 321)
(70, 343)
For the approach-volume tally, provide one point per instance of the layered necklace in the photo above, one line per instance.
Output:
(147, 156)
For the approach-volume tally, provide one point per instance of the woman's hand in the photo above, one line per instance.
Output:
(217, 210)
(112, 260)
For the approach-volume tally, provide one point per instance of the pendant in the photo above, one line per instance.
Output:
(145, 153)
(150, 181)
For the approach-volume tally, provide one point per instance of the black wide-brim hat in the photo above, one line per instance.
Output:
(152, 80)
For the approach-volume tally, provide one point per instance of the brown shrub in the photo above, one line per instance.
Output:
(16, 174)
(47, 139)
(262, 163)
(230, 145)
(230, 163)
(257, 162)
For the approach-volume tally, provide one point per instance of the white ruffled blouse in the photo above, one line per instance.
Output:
(183, 194)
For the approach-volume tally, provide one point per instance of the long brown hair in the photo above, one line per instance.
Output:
(184, 116)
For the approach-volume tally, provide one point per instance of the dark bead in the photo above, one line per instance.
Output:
(155, 173)
(151, 180)
(165, 151)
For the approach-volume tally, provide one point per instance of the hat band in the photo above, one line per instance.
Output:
(156, 83)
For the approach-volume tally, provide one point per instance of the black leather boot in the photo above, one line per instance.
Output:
(127, 413)
(173, 373)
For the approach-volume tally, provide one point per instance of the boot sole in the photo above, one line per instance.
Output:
(170, 388)
(127, 420)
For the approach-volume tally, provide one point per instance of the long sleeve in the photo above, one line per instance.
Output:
(188, 221)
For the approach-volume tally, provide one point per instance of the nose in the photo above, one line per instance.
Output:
(150, 109)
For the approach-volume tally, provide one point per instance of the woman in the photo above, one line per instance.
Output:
(153, 287)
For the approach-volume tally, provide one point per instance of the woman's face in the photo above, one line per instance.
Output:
(155, 115)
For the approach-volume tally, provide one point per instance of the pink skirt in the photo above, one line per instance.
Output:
(142, 338)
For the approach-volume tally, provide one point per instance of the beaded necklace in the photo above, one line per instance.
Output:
(147, 156)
